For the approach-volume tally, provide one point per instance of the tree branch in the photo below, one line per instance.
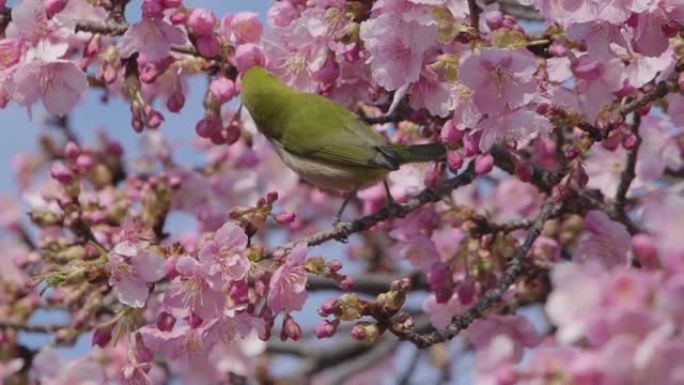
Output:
(628, 174)
(488, 299)
(343, 229)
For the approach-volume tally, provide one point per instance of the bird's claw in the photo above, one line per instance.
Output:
(341, 230)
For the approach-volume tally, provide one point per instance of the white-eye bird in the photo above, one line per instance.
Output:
(325, 143)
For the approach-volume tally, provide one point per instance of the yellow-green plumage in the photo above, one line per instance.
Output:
(321, 140)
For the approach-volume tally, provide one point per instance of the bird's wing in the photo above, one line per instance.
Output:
(348, 142)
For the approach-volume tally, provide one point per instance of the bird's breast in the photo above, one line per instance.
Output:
(328, 175)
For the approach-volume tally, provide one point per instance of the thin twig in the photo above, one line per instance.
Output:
(474, 12)
(488, 299)
(426, 196)
(628, 174)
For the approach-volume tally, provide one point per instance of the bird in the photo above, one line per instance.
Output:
(322, 141)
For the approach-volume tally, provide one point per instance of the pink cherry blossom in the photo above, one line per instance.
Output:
(132, 267)
(515, 126)
(195, 291)
(603, 240)
(58, 84)
(287, 288)
(442, 313)
(500, 78)
(152, 38)
(225, 254)
(396, 49)
(245, 27)
(518, 328)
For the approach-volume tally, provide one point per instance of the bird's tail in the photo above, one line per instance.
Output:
(415, 152)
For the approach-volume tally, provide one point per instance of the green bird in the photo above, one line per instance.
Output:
(322, 141)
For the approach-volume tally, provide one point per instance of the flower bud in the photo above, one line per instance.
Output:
(644, 249)
(243, 27)
(208, 45)
(366, 332)
(557, 49)
(102, 336)
(630, 141)
(471, 144)
(450, 134)
(210, 125)
(201, 21)
(71, 150)
(165, 322)
(349, 307)
(454, 160)
(84, 162)
(391, 302)
(334, 266)
(347, 283)
(285, 218)
(326, 329)
(175, 101)
(484, 164)
(290, 329)
(178, 18)
(60, 172)
(329, 307)
(231, 133)
(248, 55)
(222, 89)
(494, 19)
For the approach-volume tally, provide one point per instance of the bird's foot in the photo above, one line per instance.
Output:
(341, 231)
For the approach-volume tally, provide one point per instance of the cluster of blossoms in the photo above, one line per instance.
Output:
(549, 236)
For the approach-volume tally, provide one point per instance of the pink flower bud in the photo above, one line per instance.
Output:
(53, 7)
(231, 133)
(329, 307)
(165, 322)
(60, 172)
(152, 9)
(239, 292)
(454, 160)
(439, 279)
(290, 329)
(84, 162)
(613, 140)
(210, 125)
(201, 21)
(466, 292)
(248, 55)
(326, 329)
(208, 45)
(154, 119)
(285, 218)
(629, 141)
(471, 143)
(484, 164)
(171, 3)
(494, 19)
(433, 175)
(243, 27)
(281, 14)
(334, 266)
(645, 250)
(557, 49)
(450, 134)
(271, 197)
(71, 150)
(223, 89)
(101, 337)
(358, 333)
(175, 101)
(178, 18)
(346, 283)
(510, 22)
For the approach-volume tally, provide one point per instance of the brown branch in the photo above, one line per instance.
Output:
(344, 229)
(369, 283)
(513, 271)
(474, 12)
(628, 174)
